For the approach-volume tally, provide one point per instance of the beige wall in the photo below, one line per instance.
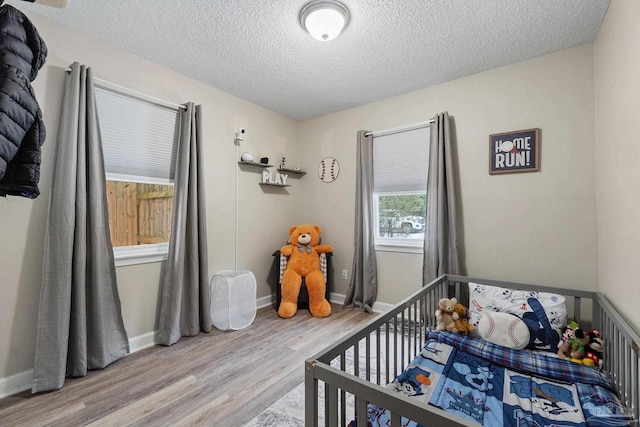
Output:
(264, 218)
(528, 227)
(617, 61)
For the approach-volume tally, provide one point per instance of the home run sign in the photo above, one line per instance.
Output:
(329, 169)
(516, 151)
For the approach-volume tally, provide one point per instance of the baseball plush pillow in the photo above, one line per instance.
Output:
(504, 329)
(545, 314)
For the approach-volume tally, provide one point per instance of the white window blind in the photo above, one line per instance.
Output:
(139, 138)
(401, 161)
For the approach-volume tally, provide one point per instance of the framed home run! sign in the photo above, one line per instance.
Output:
(515, 151)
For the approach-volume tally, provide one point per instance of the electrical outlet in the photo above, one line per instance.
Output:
(344, 274)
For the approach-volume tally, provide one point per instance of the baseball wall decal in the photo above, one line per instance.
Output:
(329, 169)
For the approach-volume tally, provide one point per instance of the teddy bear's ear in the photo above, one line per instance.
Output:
(454, 300)
(292, 229)
(318, 229)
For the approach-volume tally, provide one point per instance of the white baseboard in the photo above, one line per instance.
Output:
(22, 381)
(16, 383)
(337, 298)
(378, 307)
(382, 307)
(266, 301)
(142, 341)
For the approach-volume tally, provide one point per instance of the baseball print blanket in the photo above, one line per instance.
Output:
(493, 386)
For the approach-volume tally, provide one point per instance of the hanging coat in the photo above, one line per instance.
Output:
(22, 131)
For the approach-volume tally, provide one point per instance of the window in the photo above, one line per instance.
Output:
(400, 165)
(139, 141)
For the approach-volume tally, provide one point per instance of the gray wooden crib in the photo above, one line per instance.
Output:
(342, 379)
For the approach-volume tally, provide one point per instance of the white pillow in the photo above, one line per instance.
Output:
(545, 314)
(504, 329)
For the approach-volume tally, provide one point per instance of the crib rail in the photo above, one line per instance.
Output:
(341, 380)
(621, 354)
(378, 352)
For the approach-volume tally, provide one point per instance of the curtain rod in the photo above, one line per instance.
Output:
(135, 94)
(400, 129)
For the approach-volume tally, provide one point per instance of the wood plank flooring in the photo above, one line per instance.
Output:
(217, 379)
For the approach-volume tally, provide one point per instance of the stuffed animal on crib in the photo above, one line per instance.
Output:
(462, 325)
(568, 334)
(595, 348)
(576, 351)
(574, 345)
(304, 261)
(446, 314)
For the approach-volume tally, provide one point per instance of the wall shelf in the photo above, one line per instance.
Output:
(292, 171)
(256, 164)
(274, 185)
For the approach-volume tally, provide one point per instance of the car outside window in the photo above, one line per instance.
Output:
(399, 220)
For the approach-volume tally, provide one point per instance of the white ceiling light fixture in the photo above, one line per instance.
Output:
(324, 19)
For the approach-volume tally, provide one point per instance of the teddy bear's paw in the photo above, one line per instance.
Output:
(287, 309)
(320, 309)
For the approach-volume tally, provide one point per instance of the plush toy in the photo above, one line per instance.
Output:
(446, 314)
(595, 348)
(462, 325)
(568, 334)
(574, 345)
(576, 351)
(304, 261)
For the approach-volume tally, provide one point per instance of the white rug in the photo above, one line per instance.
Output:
(287, 411)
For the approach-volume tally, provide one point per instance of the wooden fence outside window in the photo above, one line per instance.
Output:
(139, 214)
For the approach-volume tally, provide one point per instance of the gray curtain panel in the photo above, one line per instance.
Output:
(363, 288)
(441, 222)
(185, 306)
(80, 323)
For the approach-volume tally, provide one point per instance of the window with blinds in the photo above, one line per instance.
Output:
(139, 142)
(400, 166)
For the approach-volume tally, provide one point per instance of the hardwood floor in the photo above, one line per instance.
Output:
(217, 379)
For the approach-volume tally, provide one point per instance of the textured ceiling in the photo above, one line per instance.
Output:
(257, 49)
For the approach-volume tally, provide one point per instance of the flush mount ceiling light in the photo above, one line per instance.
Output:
(324, 19)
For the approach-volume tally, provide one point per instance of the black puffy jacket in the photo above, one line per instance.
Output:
(22, 132)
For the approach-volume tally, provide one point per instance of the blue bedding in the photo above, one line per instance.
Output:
(497, 386)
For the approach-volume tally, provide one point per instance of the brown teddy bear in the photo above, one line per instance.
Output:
(304, 261)
(462, 325)
(446, 315)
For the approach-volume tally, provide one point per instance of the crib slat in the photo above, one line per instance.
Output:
(361, 411)
(412, 328)
(626, 359)
(396, 420)
(378, 354)
(367, 358)
(387, 354)
(634, 398)
(356, 359)
(310, 397)
(343, 394)
(395, 346)
(331, 405)
(403, 343)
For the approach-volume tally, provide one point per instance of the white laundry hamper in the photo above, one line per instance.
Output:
(233, 299)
